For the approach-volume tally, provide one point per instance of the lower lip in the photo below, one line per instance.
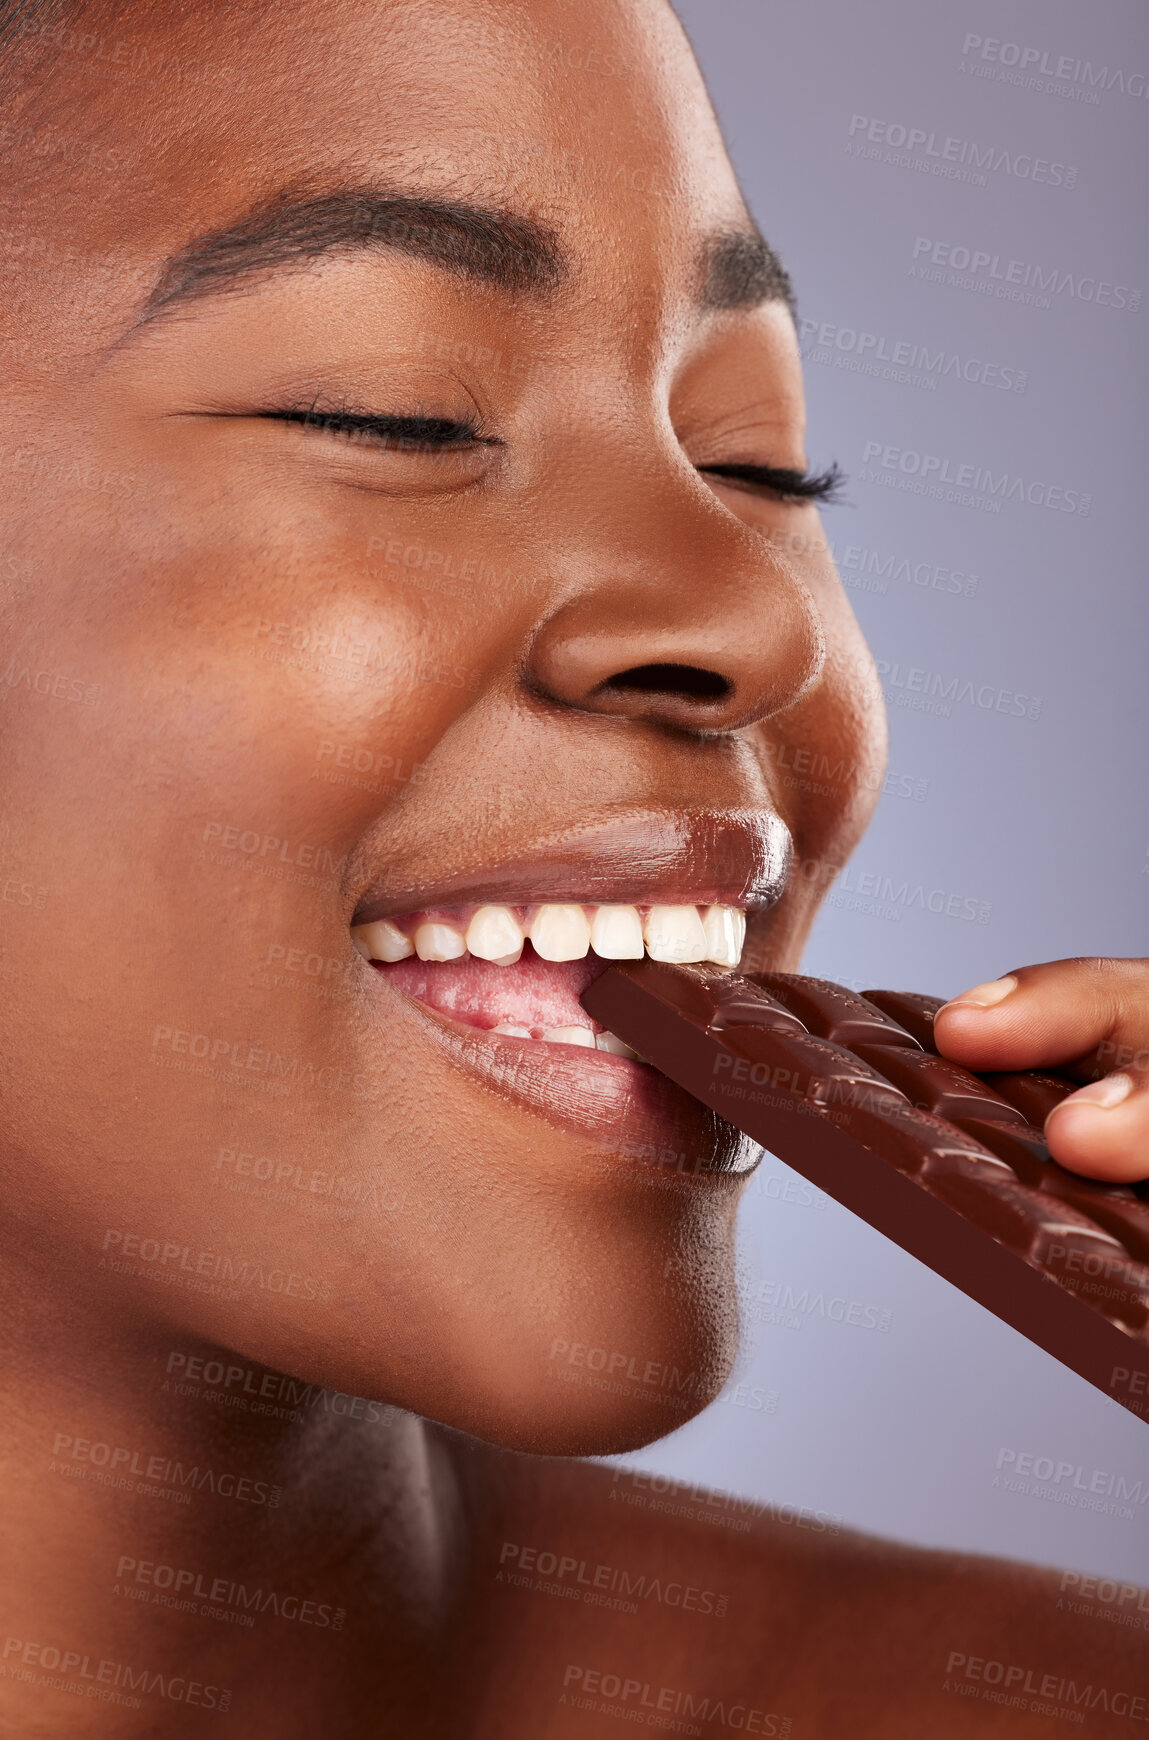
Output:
(639, 1117)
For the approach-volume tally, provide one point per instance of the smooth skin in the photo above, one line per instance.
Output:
(200, 595)
(1087, 1017)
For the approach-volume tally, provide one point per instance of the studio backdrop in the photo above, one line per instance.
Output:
(959, 197)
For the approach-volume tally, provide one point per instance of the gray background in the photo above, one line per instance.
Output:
(1037, 823)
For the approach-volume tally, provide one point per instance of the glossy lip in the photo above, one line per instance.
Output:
(625, 1108)
(723, 857)
(730, 857)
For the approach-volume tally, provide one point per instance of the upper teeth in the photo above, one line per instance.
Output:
(560, 933)
(493, 935)
(381, 941)
(563, 933)
(616, 933)
(675, 933)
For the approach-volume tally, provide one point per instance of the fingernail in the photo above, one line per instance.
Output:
(984, 996)
(1109, 1091)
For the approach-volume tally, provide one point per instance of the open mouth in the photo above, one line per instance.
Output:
(481, 965)
(519, 971)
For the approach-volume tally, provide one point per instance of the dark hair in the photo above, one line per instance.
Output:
(21, 23)
(18, 17)
(741, 265)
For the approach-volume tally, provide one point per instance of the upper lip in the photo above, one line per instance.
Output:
(714, 857)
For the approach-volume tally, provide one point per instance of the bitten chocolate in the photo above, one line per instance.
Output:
(851, 1092)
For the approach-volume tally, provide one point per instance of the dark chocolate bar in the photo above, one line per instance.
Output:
(850, 1091)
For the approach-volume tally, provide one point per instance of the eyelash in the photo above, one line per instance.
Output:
(412, 432)
(794, 486)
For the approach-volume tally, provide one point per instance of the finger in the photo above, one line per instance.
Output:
(1090, 1013)
(1102, 1131)
(1083, 1017)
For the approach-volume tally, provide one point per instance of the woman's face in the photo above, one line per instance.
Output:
(272, 671)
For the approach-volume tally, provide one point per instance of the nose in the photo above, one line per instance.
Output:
(676, 614)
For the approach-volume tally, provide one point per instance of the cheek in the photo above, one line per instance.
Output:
(231, 681)
(827, 755)
(195, 742)
(824, 764)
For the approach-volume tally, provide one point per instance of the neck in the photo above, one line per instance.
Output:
(192, 1513)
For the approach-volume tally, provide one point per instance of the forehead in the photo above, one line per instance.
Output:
(590, 117)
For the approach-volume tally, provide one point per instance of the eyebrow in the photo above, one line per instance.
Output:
(741, 270)
(488, 245)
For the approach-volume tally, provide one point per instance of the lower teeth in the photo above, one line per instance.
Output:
(567, 1036)
(615, 1046)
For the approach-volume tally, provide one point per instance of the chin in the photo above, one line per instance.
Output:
(631, 1355)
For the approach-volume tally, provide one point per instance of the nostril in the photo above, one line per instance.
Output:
(686, 681)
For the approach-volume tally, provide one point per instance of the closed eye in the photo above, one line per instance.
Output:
(405, 432)
(782, 482)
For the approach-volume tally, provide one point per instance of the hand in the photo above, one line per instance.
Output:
(1089, 1020)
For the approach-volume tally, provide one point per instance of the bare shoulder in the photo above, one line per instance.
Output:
(603, 1591)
